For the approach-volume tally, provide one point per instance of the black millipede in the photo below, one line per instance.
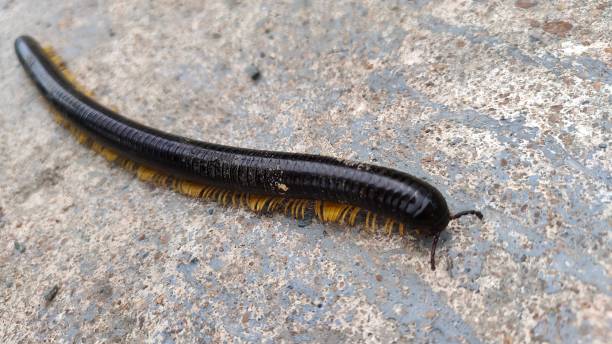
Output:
(334, 189)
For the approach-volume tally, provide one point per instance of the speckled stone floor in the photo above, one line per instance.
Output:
(505, 106)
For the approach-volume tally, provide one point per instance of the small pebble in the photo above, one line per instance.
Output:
(557, 27)
(253, 72)
(51, 293)
(19, 247)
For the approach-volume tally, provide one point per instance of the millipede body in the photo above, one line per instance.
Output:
(335, 189)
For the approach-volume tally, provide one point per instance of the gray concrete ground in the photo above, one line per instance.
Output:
(505, 106)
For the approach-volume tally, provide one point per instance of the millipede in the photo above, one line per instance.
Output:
(333, 190)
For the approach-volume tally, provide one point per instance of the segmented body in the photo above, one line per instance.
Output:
(395, 195)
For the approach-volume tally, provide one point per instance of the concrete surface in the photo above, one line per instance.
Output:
(505, 106)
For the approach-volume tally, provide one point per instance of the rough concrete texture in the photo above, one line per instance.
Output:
(502, 105)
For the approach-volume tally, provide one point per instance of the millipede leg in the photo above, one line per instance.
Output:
(433, 251)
